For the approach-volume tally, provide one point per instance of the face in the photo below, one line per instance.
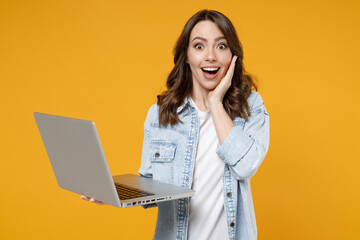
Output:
(208, 56)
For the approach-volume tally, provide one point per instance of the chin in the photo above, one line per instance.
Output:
(211, 85)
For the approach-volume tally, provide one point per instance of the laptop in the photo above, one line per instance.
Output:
(78, 161)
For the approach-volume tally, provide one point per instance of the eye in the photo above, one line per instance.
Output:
(198, 46)
(222, 46)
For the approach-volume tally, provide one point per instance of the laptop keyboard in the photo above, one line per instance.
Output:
(126, 192)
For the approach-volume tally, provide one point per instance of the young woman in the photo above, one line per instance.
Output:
(209, 132)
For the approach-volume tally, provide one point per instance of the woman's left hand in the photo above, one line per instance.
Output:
(218, 93)
(222, 121)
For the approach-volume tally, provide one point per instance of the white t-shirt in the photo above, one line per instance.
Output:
(207, 220)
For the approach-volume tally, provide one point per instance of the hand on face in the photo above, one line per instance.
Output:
(217, 95)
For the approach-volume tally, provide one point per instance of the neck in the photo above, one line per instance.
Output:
(201, 100)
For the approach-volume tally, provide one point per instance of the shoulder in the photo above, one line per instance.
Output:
(255, 101)
(153, 110)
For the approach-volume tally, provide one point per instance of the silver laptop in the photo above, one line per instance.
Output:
(78, 161)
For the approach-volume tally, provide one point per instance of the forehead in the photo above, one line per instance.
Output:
(206, 29)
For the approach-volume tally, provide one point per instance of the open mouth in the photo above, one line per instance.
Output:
(210, 70)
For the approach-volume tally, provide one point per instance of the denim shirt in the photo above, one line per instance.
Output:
(168, 155)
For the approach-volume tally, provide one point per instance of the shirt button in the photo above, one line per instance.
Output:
(229, 194)
(157, 154)
(232, 224)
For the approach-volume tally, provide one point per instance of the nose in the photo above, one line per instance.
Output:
(211, 55)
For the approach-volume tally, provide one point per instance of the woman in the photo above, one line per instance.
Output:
(210, 132)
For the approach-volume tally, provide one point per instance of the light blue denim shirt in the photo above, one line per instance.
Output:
(168, 155)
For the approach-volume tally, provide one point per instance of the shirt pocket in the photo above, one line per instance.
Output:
(162, 154)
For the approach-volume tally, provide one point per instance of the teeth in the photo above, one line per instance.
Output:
(210, 69)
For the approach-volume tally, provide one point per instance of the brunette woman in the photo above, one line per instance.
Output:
(209, 132)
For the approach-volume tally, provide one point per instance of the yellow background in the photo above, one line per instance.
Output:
(107, 60)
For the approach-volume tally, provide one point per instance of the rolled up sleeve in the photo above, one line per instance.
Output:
(245, 147)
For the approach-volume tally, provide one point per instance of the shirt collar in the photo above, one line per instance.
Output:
(187, 103)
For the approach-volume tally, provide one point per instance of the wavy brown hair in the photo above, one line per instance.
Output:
(179, 83)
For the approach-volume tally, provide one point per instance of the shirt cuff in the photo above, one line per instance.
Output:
(235, 146)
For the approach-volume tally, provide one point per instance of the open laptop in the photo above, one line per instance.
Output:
(78, 160)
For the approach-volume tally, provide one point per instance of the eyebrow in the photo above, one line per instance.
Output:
(205, 40)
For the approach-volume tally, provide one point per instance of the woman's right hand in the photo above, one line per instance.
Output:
(93, 200)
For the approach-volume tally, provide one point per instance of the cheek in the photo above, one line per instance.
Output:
(193, 63)
(194, 58)
(226, 61)
(193, 69)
